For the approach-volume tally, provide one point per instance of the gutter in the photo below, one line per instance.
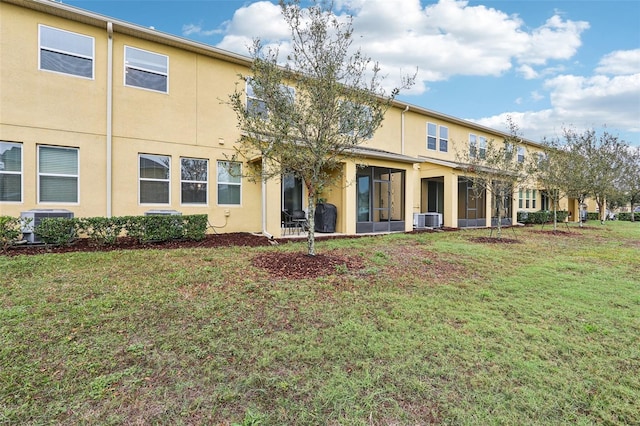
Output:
(109, 115)
(264, 203)
(402, 130)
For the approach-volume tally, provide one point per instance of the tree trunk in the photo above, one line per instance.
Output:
(311, 236)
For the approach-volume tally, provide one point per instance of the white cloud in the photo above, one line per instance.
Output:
(261, 20)
(620, 62)
(581, 103)
(444, 39)
(196, 29)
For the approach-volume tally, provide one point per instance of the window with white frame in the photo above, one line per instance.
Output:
(520, 154)
(482, 146)
(355, 120)
(58, 171)
(10, 171)
(444, 139)
(154, 178)
(258, 107)
(473, 145)
(229, 183)
(146, 70)
(432, 136)
(527, 198)
(66, 52)
(194, 173)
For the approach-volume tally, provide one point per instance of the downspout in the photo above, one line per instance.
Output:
(264, 202)
(109, 114)
(402, 130)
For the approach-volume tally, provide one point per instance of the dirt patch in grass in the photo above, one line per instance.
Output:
(299, 265)
(556, 233)
(494, 240)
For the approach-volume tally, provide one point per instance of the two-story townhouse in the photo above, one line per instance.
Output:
(106, 118)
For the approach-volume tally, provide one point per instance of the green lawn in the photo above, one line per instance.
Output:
(435, 329)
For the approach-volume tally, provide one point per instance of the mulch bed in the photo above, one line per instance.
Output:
(126, 243)
(300, 265)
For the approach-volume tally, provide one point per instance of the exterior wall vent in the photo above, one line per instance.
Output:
(32, 218)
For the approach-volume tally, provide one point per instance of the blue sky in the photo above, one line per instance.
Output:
(548, 64)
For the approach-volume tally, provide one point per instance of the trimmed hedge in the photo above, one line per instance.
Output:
(627, 216)
(103, 230)
(540, 217)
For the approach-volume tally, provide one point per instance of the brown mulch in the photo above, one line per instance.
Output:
(300, 265)
(125, 243)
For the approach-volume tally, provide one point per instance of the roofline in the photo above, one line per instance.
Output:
(76, 14)
(425, 111)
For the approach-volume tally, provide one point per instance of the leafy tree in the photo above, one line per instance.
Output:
(305, 117)
(598, 166)
(498, 169)
(552, 173)
(631, 181)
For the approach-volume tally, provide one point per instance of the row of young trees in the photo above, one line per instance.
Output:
(579, 165)
(590, 165)
(309, 109)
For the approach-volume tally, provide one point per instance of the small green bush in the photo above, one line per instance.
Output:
(58, 230)
(102, 230)
(10, 231)
(627, 216)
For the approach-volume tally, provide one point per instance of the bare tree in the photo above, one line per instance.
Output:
(305, 117)
(499, 169)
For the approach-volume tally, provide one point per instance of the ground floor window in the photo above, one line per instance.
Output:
(10, 171)
(57, 174)
(154, 172)
(229, 182)
(381, 199)
(194, 173)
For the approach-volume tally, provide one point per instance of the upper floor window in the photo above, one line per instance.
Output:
(146, 70)
(10, 171)
(257, 107)
(58, 174)
(193, 180)
(355, 120)
(477, 146)
(432, 136)
(482, 146)
(520, 154)
(66, 52)
(154, 172)
(444, 139)
(229, 182)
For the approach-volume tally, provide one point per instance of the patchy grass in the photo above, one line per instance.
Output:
(431, 328)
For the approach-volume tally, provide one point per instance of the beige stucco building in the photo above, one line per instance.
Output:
(106, 118)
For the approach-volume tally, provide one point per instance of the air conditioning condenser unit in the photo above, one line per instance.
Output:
(32, 218)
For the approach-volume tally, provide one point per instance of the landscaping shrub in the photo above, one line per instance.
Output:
(58, 230)
(540, 217)
(102, 230)
(10, 231)
(627, 216)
